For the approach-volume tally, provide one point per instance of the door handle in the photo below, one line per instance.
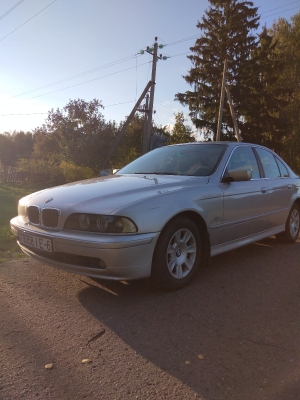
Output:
(290, 186)
(264, 189)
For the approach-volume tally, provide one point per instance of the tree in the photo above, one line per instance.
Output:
(8, 154)
(129, 147)
(287, 36)
(76, 134)
(181, 133)
(263, 120)
(14, 146)
(227, 28)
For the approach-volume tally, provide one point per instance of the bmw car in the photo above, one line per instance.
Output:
(163, 215)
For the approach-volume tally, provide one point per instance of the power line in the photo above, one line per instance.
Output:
(196, 36)
(117, 104)
(183, 40)
(27, 21)
(8, 115)
(109, 64)
(81, 83)
(279, 12)
(75, 76)
(164, 105)
(109, 105)
(293, 2)
(11, 9)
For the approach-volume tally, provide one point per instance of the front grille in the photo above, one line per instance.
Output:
(50, 217)
(33, 214)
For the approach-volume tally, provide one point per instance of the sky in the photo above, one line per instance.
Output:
(53, 51)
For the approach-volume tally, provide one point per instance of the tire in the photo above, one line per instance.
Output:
(177, 254)
(292, 226)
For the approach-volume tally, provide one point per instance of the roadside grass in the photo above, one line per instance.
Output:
(9, 196)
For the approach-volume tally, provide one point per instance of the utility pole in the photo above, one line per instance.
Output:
(152, 88)
(222, 101)
(153, 51)
(224, 89)
(146, 118)
(147, 109)
(233, 115)
(124, 127)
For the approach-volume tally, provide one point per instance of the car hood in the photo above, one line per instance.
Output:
(106, 194)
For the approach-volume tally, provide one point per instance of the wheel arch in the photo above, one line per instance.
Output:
(297, 201)
(202, 227)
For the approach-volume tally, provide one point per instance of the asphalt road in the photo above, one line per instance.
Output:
(234, 333)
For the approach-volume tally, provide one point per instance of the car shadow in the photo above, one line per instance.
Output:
(230, 334)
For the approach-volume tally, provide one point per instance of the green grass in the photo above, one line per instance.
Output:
(9, 196)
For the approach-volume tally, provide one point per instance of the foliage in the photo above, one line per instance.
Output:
(287, 36)
(74, 173)
(14, 146)
(227, 28)
(76, 134)
(263, 120)
(129, 147)
(181, 133)
(42, 172)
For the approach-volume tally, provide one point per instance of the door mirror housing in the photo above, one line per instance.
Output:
(239, 175)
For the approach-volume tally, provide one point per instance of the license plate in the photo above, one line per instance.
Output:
(35, 241)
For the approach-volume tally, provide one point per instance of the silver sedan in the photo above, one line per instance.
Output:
(164, 214)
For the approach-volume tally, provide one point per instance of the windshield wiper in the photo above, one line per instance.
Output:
(157, 173)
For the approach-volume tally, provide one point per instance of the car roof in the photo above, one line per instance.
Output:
(228, 143)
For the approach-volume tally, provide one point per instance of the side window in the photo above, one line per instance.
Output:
(269, 164)
(282, 168)
(244, 158)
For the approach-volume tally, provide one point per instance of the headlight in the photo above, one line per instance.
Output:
(22, 210)
(84, 221)
(100, 223)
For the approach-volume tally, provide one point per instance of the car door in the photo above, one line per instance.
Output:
(280, 187)
(245, 205)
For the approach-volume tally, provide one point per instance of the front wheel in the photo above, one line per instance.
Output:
(292, 226)
(177, 254)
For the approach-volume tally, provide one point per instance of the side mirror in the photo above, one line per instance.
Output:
(104, 172)
(240, 175)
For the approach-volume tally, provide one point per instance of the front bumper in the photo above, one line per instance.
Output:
(122, 257)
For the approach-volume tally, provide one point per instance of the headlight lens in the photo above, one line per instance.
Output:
(84, 221)
(22, 211)
(100, 224)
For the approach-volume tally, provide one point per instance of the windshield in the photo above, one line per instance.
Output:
(189, 159)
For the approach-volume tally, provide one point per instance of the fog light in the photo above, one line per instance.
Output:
(14, 230)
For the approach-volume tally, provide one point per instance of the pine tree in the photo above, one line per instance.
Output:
(263, 120)
(227, 33)
(181, 133)
(287, 36)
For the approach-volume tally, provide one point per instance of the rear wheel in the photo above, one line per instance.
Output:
(177, 254)
(292, 226)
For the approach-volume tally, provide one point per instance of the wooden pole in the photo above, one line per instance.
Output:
(235, 124)
(218, 138)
